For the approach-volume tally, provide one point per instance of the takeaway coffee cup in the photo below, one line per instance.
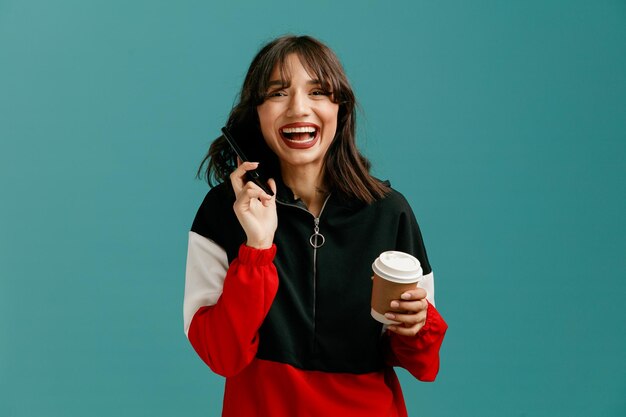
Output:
(394, 273)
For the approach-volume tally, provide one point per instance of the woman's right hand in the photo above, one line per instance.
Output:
(255, 210)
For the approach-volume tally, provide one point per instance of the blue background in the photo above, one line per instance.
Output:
(503, 122)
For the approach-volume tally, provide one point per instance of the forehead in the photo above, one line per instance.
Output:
(292, 66)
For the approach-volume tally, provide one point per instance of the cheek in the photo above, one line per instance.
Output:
(265, 120)
(332, 117)
(266, 124)
(262, 113)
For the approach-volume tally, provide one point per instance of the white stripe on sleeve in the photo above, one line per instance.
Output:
(207, 264)
(428, 283)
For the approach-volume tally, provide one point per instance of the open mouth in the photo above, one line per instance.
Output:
(299, 134)
(300, 137)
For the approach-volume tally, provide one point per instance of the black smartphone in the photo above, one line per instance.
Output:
(253, 175)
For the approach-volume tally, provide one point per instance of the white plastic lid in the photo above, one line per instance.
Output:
(397, 267)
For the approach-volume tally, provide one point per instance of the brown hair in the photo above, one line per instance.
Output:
(346, 170)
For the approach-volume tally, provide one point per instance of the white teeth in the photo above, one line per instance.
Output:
(300, 141)
(306, 129)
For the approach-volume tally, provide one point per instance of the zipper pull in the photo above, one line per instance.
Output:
(317, 239)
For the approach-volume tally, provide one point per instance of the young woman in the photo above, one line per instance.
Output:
(277, 294)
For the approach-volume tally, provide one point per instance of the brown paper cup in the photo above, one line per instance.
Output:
(394, 273)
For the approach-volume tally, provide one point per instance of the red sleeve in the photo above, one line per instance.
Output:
(419, 354)
(225, 335)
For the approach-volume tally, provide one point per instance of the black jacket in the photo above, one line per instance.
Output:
(320, 318)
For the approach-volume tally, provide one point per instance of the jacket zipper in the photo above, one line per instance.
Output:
(316, 240)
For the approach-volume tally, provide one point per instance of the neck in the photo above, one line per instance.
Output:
(307, 184)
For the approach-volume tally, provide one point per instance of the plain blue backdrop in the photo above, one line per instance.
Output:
(503, 122)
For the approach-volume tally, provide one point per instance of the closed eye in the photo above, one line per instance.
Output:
(320, 93)
(276, 94)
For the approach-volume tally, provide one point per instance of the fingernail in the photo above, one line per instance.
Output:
(405, 296)
(390, 316)
(395, 304)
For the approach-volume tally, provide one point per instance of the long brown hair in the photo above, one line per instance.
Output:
(345, 170)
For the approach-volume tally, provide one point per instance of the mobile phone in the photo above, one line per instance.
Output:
(253, 175)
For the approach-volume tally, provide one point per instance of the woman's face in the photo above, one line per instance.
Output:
(298, 121)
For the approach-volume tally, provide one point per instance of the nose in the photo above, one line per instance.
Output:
(298, 105)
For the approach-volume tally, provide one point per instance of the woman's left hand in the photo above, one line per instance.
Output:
(410, 311)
